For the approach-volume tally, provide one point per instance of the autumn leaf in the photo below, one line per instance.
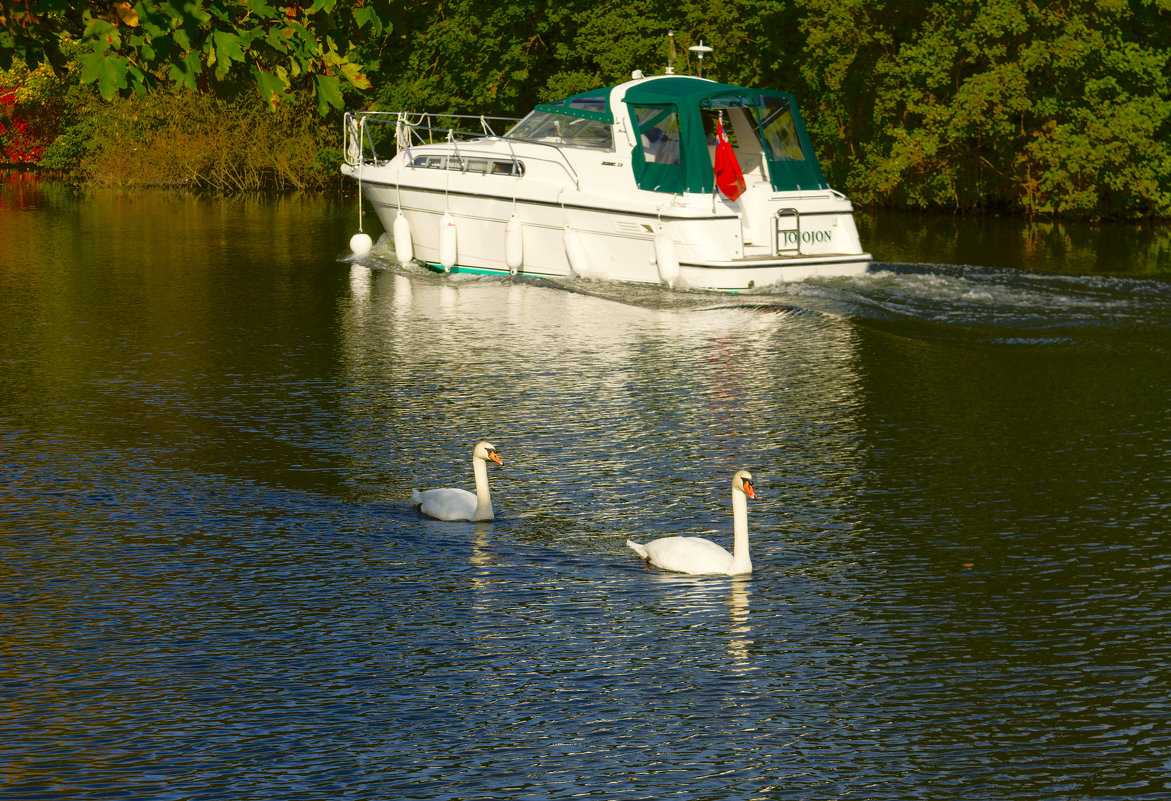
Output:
(126, 14)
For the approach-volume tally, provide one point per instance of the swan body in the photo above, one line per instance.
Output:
(698, 556)
(453, 503)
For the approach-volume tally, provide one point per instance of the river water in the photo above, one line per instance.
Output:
(213, 585)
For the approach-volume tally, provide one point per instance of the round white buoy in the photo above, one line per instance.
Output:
(513, 245)
(579, 263)
(404, 248)
(667, 258)
(447, 249)
(361, 243)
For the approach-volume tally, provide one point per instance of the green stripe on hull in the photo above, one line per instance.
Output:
(461, 270)
(438, 268)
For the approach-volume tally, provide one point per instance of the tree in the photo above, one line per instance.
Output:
(502, 57)
(994, 105)
(219, 45)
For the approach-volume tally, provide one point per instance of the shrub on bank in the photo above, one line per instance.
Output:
(179, 138)
(30, 112)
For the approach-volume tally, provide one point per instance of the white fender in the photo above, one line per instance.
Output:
(404, 248)
(667, 258)
(514, 254)
(361, 243)
(447, 241)
(579, 263)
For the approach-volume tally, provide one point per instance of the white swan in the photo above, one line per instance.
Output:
(452, 503)
(699, 556)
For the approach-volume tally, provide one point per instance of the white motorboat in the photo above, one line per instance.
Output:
(671, 179)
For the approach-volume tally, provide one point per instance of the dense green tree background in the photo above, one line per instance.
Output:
(1056, 108)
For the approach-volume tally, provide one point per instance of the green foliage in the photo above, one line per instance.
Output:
(994, 105)
(71, 149)
(130, 48)
(617, 38)
(1048, 109)
(503, 58)
(467, 55)
(175, 137)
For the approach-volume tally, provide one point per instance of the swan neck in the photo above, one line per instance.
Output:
(484, 509)
(741, 562)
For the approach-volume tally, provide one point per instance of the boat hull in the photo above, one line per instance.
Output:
(554, 237)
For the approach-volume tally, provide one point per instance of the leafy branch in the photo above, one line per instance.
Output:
(203, 45)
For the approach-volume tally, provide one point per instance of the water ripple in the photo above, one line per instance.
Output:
(214, 585)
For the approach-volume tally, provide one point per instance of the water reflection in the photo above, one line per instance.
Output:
(1071, 247)
(740, 630)
(575, 385)
(211, 436)
(360, 281)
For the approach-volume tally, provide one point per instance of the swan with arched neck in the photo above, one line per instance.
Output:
(453, 503)
(698, 556)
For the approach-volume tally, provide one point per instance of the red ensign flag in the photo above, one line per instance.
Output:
(729, 178)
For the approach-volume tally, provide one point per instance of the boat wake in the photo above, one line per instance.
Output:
(994, 305)
(925, 301)
(946, 302)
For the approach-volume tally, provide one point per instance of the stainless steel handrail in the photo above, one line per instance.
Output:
(421, 131)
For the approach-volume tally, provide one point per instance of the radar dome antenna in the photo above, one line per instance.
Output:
(700, 50)
(670, 53)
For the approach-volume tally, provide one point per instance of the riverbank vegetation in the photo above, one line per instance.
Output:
(974, 106)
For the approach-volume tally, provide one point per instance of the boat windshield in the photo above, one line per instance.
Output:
(558, 129)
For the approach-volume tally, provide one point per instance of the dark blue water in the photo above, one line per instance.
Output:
(213, 584)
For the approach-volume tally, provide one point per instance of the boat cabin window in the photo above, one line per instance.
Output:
(780, 132)
(557, 129)
(658, 131)
(474, 165)
(711, 117)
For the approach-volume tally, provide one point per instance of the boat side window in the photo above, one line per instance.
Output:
(780, 132)
(508, 168)
(559, 129)
(658, 131)
(481, 166)
(429, 162)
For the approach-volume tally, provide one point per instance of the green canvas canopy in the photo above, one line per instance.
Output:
(592, 105)
(671, 110)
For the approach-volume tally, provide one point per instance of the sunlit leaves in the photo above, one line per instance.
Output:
(126, 14)
(329, 93)
(993, 104)
(205, 44)
(272, 87)
(108, 72)
(30, 112)
(228, 46)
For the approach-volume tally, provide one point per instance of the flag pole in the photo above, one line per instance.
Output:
(715, 186)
